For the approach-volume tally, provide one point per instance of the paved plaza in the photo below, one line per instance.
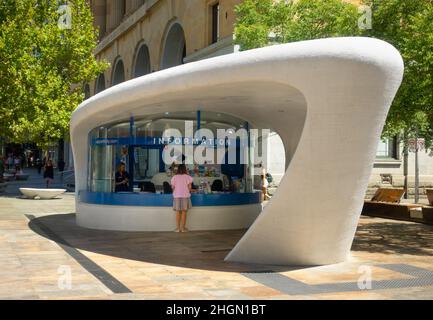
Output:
(44, 255)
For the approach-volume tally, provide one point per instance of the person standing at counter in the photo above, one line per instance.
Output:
(181, 184)
(122, 179)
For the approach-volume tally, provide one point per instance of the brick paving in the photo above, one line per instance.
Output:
(40, 245)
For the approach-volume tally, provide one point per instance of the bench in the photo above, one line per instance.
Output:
(386, 204)
(389, 195)
(33, 193)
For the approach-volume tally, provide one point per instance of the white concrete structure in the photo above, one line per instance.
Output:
(41, 193)
(132, 218)
(327, 99)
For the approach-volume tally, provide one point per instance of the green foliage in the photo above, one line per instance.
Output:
(43, 68)
(407, 24)
(263, 22)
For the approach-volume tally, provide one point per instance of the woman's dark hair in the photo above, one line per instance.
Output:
(181, 169)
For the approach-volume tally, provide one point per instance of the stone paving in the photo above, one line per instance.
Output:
(40, 246)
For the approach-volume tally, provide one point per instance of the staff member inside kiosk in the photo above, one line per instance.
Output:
(122, 179)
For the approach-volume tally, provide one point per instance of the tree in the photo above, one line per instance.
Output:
(44, 65)
(264, 22)
(407, 24)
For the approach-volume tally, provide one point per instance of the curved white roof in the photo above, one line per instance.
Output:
(328, 100)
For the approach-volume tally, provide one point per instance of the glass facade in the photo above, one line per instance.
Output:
(139, 144)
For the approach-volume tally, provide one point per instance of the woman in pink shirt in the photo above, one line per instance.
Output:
(181, 184)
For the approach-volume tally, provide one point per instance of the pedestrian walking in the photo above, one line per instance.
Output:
(49, 173)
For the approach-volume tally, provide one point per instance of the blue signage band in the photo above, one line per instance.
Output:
(166, 200)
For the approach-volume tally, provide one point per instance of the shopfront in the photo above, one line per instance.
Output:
(217, 155)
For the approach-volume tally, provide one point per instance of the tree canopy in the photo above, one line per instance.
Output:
(264, 22)
(407, 24)
(44, 64)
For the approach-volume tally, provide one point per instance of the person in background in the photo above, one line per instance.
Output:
(39, 165)
(17, 163)
(181, 184)
(173, 168)
(264, 187)
(121, 179)
(10, 162)
(49, 172)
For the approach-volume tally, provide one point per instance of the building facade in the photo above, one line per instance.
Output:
(138, 37)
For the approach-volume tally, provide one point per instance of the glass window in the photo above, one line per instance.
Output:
(101, 164)
(215, 22)
(387, 148)
(139, 145)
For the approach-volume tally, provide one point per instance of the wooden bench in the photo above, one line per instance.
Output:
(386, 204)
(390, 195)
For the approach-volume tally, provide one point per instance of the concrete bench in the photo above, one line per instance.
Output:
(34, 193)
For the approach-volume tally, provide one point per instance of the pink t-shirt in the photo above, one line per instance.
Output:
(180, 185)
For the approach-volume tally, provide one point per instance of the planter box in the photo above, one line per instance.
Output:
(399, 211)
(427, 213)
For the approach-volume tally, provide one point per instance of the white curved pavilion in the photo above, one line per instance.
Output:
(327, 99)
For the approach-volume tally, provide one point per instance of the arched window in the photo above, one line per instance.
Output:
(174, 47)
(142, 62)
(100, 83)
(118, 73)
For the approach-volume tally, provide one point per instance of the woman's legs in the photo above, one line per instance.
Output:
(184, 221)
(178, 214)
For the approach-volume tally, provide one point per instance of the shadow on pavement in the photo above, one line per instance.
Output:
(198, 250)
(394, 237)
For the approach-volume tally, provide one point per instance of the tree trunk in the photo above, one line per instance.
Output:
(405, 165)
(2, 147)
(416, 168)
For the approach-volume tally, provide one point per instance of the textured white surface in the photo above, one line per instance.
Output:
(42, 193)
(327, 99)
(135, 218)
